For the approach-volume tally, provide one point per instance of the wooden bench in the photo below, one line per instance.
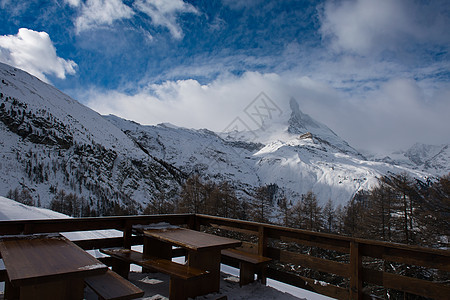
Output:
(249, 264)
(182, 277)
(111, 286)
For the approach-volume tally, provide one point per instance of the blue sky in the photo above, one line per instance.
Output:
(376, 72)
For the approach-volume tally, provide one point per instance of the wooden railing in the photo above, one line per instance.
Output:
(354, 265)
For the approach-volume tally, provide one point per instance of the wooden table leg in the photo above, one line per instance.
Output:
(156, 248)
(11, 292)
(205, 260)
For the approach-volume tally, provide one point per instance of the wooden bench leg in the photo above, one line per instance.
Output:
(121, 267)
(262, 274)
(246, 273)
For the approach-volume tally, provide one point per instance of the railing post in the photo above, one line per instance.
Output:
(356, 292)
(262, 241)
(192, 222)
(262, 250)
(127, 235)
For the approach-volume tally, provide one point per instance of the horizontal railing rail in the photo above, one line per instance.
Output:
(347, 258)
(355, 251)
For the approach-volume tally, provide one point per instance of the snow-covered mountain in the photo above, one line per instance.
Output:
(434, 159)
(295, 152)
(50, 143)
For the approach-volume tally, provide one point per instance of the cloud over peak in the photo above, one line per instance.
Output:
(34, 52)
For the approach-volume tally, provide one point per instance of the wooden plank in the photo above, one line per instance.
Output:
(127, 255)
(407, 284)
(35, 260)
(191, 239)
(173, 269)
(416, 286)
(418, 256)
(99, 243)
(234, 229)
(308, 239)
(308, 284)
(81, 224)
(308, 261)
(356, 291)
(161, 265)
(251, 258)
(249, 247)
(239, 224)
(110, 286)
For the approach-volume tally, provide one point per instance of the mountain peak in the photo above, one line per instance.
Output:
(299, 123)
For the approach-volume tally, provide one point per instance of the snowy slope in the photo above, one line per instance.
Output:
(12, 210)
(84, 124)
(51, 143)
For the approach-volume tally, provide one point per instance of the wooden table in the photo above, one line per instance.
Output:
(46, 267)
(203, 253)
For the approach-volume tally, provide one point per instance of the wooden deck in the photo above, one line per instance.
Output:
(279, 243)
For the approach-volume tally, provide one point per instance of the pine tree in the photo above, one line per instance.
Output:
(262, 205)
(379, 215)
(329, 216)
(353, 217)
(407, 199)
(285, 211)
(308, 213)
(192, 196)
(228, 204)
(432, 219)
(160, 204)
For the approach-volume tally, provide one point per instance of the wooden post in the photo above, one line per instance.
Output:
(262, 250)
(355, 272)
(192, 222)
(262, 241)
(127, 235)
(122, 267)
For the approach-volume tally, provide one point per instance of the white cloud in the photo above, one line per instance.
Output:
(397, 114)
(366, 26)
(74, 3)
(164, 13)
(95, 13)
(34, 52)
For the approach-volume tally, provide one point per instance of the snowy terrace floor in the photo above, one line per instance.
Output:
(156, 287)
